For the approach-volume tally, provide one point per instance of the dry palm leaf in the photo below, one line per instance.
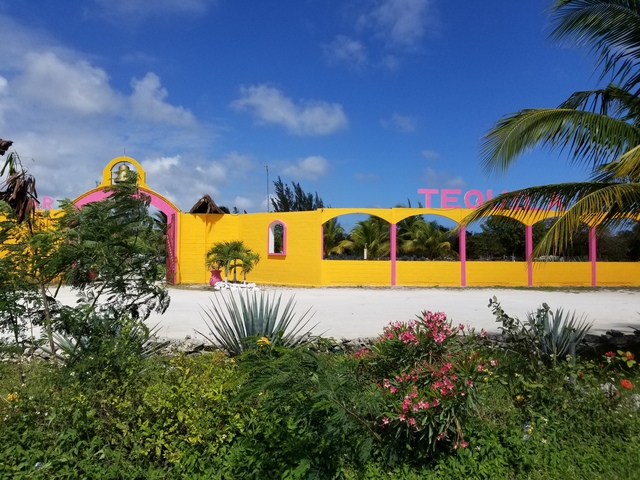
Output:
(18, 189)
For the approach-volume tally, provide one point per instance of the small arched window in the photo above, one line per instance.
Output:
(277, 238)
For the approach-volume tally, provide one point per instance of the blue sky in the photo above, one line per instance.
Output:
(363, 101)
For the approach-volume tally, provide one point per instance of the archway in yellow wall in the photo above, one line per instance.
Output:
(109, 177)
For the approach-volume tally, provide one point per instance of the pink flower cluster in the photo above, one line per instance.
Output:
(433, 325)
(430, 373)
(363, 352)
(438, 326)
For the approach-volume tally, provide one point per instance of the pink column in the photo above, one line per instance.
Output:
(528, 249)
(592, 254)
(392, 253)
(463, 256)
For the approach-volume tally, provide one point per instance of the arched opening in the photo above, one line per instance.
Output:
(277, 237)
(110, 175)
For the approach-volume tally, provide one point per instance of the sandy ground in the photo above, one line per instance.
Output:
(363, 312)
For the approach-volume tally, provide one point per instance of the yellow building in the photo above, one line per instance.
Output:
(300, 262)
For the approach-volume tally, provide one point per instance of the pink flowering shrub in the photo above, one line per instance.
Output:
(429, 373)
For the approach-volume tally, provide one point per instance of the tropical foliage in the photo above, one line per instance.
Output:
(371, 236)
(422, 402)
(107, 252)
(231, 255)
(417, 237)
(597, 128)
(294, 199)
(333, 234)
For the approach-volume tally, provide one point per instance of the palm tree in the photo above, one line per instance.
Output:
(371, 235)
(333, 235)
(225, 255)
(427, 239)
(18, 190)
(418, 237)
(599, 128)
(249, 260)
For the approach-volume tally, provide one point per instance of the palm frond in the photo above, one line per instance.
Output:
(612, 100)
(609, 28)
(625, 168)
(18, 189)
(589, 137)
(582, 203)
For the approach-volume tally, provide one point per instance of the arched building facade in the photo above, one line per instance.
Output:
(299, 260)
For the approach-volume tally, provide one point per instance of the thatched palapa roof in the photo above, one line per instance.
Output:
(206, 205)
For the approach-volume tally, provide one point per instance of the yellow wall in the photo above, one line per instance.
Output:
(619, 273)
(508, 274)
(303, 265)
(436, 273)
(356, 272)
(576, 274)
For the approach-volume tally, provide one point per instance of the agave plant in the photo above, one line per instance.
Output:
(235, 320)
(545, 334)
(557, 334)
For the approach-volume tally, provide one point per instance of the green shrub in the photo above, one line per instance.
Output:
(430, 373)
(314, 414)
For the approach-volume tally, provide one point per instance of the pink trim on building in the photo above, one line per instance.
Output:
(528, 248)
(593, 255)
(463, 256)
(393, 232)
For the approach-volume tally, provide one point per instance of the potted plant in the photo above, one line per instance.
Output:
(228, 256)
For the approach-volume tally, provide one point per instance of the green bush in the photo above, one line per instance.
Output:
(305, 412)
(313, 415)
(430, 374)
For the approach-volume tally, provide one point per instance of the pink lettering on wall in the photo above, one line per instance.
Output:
(477, 196)
(427, 195)
(46, 203)
(447, 200)
(455, 198)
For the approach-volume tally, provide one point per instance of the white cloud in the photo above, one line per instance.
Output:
(310, 168)
(160, 165)
(390, 62)
(345, 50)
(67, 120)
(269, 105)
(237, 163)
(76, 86)
(144, 8)
(400, 23)
(242, 203)
(430, 154)
(148, 103)
(442, 179)
(4, 85)
(401, 123)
